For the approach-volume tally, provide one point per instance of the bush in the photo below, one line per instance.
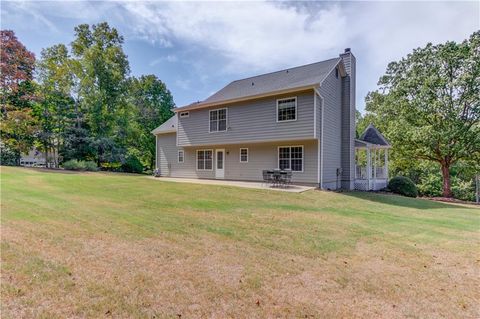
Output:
(464, 190)
(132, 165)
(75, 165)
(91, 166)
(403, 186)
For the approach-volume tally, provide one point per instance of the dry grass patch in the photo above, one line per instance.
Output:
(165, 251)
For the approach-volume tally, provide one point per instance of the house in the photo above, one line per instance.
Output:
(302, 119)
(34, 158)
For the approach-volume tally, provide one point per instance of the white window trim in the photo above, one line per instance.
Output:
(226, 120)
(296, 109)
(184, 114)
(196, 160)
(240, 154)
(183, 156)
(303, 157)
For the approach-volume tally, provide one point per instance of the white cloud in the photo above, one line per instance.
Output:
(169, 58)
(183, 84)
(257, 35)
(230, 39)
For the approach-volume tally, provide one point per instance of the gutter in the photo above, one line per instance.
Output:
(241, 99)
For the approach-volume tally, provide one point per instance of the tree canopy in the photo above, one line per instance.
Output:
(79, 101)
(428, 105)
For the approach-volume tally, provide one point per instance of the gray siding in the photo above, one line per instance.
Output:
(332, 131)
(260, 156)
(251, 121)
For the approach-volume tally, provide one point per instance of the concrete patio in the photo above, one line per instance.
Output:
(255, 185)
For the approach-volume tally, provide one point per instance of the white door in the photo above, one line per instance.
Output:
(220, 163)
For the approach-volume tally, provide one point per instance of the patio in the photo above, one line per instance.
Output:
(254, 185)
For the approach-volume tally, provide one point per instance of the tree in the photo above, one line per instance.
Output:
(428, 105)
(55, 107)
(152, 103)
(16, 94)
(102, 69)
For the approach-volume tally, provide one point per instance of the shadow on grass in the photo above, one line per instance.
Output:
(398, 200)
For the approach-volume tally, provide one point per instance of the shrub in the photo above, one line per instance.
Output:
(403, 185)
(464, 190)
(111, 166)
(132, 165)
(74, 165)
(91, 166)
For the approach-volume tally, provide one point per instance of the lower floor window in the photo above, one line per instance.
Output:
(244, 155)
(204, 159)
(291, 157)
(181, 156)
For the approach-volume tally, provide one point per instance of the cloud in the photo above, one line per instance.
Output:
(227, 40)
(169, 58)
(256, 35)
(183, 84)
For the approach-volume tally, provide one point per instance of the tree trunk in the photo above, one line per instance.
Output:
(447, 192)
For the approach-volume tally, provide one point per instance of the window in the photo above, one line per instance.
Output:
(244, 155)
(218, 120)
(336, 73)
(181, 156)
(291, 157)
(184, 114)
(287, 109)
(204, 160)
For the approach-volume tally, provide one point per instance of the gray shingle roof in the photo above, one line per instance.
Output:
(168, 126)
(373, 136)
(297, 77)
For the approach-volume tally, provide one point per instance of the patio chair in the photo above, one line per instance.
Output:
(285, 178)
(267, 177)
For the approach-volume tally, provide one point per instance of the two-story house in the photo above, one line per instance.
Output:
(302, 119)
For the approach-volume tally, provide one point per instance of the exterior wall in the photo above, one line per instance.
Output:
(331, 91)
(250, 121)
(348, 121)
(260, 156)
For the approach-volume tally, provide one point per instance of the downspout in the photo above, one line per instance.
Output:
(321, 139)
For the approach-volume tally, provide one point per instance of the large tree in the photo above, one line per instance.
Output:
(16, 94)
(429, 106)
(55, 107)
(152, 103)
(101, 68)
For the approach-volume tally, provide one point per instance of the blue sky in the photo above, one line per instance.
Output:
(198, 47)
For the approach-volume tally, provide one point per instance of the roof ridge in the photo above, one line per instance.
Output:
(283, 70)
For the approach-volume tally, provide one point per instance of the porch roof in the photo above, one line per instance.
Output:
(372, 138)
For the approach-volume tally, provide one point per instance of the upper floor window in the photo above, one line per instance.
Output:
(287, 109)
(244, 155)
(218, 120)
(184, 114)
(291, 157)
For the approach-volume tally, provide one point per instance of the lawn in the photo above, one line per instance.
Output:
(95, 245)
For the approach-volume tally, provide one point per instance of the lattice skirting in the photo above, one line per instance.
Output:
(375, 185)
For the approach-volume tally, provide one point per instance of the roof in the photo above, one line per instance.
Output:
(169, 126)
(305, 76)
(372, 136)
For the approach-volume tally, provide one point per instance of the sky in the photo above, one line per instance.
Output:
(196, 48)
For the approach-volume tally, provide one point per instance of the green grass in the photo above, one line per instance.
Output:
(64, 210)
